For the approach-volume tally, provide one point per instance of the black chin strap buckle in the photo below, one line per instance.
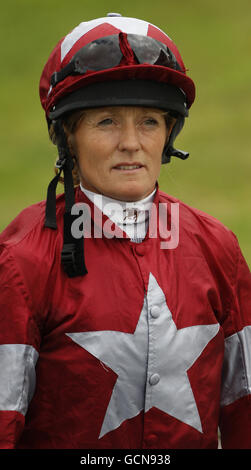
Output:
(60, 163)
(68, 258)
(72, 254)
(170, 151)
(179, 154)
(70, 261)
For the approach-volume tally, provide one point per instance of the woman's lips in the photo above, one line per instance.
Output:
(128, 167)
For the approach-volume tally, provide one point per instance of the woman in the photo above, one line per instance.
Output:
(116, 332)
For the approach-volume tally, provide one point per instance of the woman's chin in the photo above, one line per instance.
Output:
(130, 193)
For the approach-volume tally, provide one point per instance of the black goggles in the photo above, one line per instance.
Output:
(106, 53)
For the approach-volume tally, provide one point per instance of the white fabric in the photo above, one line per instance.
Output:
(17, 376)
(127, 25)
(131, 217)
(237, 367)
(151, 364)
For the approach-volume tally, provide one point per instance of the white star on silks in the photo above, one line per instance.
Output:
(135, 359)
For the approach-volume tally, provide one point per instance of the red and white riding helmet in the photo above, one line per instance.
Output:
(115, 61)
(111, 61)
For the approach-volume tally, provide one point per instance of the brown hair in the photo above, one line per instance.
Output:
(70, 123)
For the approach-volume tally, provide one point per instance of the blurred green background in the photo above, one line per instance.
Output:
(215, 42)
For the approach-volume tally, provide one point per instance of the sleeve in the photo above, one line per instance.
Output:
(235, 414)
(19, 350)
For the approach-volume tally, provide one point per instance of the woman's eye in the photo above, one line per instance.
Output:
(105, 122)
(151, 122)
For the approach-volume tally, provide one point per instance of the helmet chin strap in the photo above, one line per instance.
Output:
(72, 255)
(169, 151)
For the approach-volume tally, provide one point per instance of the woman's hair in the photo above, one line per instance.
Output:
(72, 121)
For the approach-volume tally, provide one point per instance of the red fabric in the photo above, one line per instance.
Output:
(98, 32)
(126, 49)
(49, 97)
(157, 34)
(205, 281)
(139, 71)
(237, 436)
(11, 425)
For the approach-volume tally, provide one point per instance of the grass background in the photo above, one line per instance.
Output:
(215, 42)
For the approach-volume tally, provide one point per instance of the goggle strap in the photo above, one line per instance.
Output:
(57, 77)
(127, 52)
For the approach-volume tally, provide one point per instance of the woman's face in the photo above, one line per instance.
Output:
(119, 150)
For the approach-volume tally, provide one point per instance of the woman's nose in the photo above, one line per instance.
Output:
(129, 138)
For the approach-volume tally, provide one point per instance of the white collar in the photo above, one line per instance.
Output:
(132, 217)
